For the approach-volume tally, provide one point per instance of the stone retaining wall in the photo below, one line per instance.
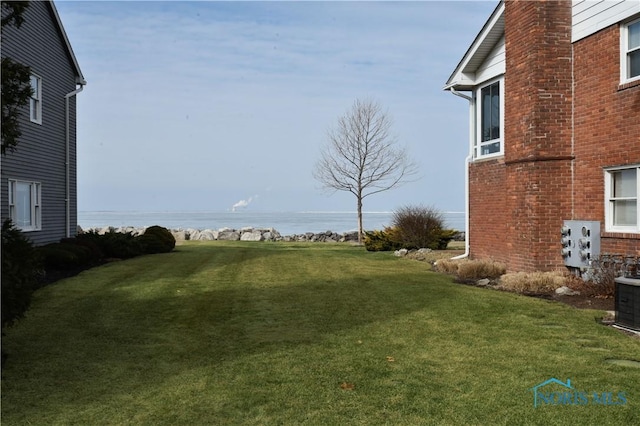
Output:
(229, 234)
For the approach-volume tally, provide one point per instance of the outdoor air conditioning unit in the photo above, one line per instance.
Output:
(580, 242)
(627, 302)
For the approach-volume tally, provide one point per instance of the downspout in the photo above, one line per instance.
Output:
(467, 161)
(67, 166)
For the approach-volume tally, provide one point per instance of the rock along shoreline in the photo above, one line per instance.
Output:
(230, 234)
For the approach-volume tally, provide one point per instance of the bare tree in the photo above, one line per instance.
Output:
(362, 157)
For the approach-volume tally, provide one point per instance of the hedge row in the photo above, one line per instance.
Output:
(25, 267)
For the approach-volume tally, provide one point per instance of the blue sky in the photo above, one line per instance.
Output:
(206, 105)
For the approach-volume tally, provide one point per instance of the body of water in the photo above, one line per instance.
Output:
(287, 223)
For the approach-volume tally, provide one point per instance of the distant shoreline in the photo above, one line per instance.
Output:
(287, 223)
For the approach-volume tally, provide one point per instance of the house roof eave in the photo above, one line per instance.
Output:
(79, 77)
(478, 51)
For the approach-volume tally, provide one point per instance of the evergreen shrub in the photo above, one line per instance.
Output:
(64, 256)
(157, 239)
(386, 240)
(21, 269)
(115, 245)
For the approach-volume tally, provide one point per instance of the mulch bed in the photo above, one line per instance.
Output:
(587, 302)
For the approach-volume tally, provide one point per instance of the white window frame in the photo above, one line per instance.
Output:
(478, 143)
(35, 101)
(609, 200)
(624, 52)
(35, 205)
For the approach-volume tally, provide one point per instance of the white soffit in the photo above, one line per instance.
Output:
(463, 77)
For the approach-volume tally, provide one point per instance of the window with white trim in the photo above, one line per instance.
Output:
(24, 205)
(630, 49)
(622, 187)
(35, 102)
(490, 120)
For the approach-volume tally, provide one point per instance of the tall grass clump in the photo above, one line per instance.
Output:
(447, 266)
(533, 282)
(468, 270)
(479, 269)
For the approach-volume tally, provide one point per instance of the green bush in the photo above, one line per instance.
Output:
(157, 239)
(95, 253)
(116, 245)
(65, 256)
(420, 227)
(446, 235)
(386, 240)
(21, 269)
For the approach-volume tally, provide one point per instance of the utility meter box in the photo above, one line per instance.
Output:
(580, 242)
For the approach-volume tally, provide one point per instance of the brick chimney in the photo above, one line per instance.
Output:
(538, 131)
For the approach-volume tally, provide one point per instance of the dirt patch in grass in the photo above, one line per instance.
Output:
(586, 302)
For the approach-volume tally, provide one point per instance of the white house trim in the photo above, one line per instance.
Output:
(591, 16)
(464, 77)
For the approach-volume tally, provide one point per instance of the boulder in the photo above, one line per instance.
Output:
(251, 236)
(206, 235)
(228, 235)
(271, 236)
(179, 235)
(401, 252)
(106, 230)
(566, 291)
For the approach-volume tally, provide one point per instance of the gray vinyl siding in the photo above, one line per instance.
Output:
(40, 154)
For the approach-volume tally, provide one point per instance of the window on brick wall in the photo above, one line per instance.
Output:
(622, 188)
(630, 49)
(490, 119)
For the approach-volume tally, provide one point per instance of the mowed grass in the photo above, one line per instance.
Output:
(276, 333)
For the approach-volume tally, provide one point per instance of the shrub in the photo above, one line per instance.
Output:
(385, 240)
(64, 256)
(419, 227)
(479, 269)
(446, 235)
(533, 283)
(600, 280)
(119, 245)
(157, 239)
(95, 253)
(20, 272)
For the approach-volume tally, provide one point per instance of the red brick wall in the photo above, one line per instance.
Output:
(527, 207)
(564, 124)
(607, 129)
(487, 199)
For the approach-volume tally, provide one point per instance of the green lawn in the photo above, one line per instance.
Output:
(276, 333)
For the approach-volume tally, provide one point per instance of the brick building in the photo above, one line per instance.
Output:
(554, 95)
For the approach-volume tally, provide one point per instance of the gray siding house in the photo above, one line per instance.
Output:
(38, 179)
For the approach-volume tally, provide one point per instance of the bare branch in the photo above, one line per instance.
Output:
(362, 156)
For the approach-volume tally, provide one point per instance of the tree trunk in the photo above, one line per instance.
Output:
(360, 230)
